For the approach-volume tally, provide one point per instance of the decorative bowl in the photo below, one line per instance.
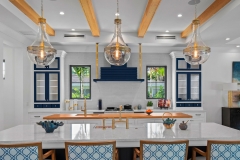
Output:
(149, 111)
(50, 126)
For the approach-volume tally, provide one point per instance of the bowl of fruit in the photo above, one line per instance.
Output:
(149, 111)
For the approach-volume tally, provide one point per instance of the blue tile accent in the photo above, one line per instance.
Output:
(24, 153)
(225, 152)
(164, 151)
(102, 152)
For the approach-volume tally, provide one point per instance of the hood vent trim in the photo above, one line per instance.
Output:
(118, 73)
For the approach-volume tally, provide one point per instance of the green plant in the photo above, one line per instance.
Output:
(160, 93)
(81, 72)
(149, 103)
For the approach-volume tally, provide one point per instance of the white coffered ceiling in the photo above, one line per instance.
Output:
(226, 23)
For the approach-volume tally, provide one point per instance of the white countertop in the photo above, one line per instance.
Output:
(197, 134)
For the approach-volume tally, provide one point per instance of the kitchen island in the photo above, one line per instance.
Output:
(197, 134)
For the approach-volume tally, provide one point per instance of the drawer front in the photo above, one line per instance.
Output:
(46, 106)
(180, 104)
(37, 105)
(55, 105)
(189, 104)
(197, 115)
(197, 104)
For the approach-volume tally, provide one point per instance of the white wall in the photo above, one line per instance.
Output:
(9, 87)
(117, 93)
(1, 88)
(218, 68)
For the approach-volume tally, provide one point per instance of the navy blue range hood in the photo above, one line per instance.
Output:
(118, 73)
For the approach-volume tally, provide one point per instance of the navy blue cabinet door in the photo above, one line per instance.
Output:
(55, 65)
(188, 86)
(181, 64)
(46, 87)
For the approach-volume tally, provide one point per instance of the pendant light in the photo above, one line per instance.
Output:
(117, 52)
(197, 52)
(41, 52)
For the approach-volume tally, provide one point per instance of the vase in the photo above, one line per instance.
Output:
(139, 107)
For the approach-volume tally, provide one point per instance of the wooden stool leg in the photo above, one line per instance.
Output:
(53, 155)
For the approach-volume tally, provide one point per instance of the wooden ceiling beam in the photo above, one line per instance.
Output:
(90, 16)
(30, 13)
(216, 6)
(148, 16)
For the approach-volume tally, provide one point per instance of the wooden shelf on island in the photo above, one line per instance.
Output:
(115, 116)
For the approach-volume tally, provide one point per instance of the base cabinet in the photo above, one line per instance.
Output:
(231, 117)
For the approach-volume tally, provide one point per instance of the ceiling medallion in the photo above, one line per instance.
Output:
(117, 52)
(197, 52)
(41, 52)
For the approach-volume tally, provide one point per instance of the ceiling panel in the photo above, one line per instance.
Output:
(131, 12)
(166, 16)
(73, 17)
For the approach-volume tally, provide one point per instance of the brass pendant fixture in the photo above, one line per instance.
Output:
(117, 52)
(41, 52)
(197, 52)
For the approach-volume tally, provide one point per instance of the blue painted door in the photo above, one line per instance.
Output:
(46, 87)
(55, 65)
(188, 86)
(181, 64)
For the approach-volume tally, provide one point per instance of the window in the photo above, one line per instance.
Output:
(156, 82)
(80, 82)
(4, 69)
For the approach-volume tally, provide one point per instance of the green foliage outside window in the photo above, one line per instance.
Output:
(81, 82)
(156, 82)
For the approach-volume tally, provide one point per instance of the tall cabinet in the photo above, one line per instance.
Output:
(186, 82)
(49, 83)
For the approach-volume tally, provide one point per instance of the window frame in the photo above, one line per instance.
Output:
(165, 86)
(90, 83)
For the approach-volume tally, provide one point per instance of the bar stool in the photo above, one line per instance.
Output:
(162, 150)
(91, 150)
(24, 151)
(219, 150)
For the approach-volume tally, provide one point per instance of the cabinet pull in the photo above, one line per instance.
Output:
(37, 116)
(198, 114)
(191, 120)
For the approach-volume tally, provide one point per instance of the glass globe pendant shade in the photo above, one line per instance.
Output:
(41, 52)
(117, 52)
(196, 52)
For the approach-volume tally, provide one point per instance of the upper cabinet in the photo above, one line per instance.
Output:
(55, 65)
(188, 86)
(46, 87)
(181, 64)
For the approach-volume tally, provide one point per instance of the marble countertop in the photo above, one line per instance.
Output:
(197, 134)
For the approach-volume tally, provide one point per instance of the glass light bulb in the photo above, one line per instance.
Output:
(117, 52)
(196, 52)
(41, 52)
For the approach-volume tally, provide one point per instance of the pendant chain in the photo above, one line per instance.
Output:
(117, 7)
(42, 8)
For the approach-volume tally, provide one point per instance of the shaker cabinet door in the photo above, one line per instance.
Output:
(46, 87)
(188, 86)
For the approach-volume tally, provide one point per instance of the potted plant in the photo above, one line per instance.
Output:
(149, 105)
